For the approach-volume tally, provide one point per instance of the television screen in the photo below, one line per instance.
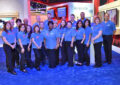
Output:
(113, 15)
(51, 11)
(61, 12)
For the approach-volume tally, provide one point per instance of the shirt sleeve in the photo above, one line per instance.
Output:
(73, 33)
(19, 36)
(3, 34)
(113, 26)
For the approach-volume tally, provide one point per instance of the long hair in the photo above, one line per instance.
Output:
(24, 27)
(5, 24)
(77, 27)
(64, 25)
(35, 27)
(29, 34)
(88, 22)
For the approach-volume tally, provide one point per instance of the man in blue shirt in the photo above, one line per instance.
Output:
(46, 21)
(51, 43)
(16, 30)
(108, 31)
(82, 15)
(72, 17)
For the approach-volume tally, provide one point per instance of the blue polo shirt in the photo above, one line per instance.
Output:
(69, 33)
(74, 24)
(82, 20)
(16, 30)
(23, 37)
(62, 31)
(79, 33)
(88, 31)
(46, 24)
(38, 38)
(95, 32)
(108, 28)
(10, 36)
(51, 38)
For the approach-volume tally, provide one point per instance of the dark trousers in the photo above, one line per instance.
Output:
(38, 55)
(28, 59)
(69, 53)
(10, 57)
(86, 56)
(97, 48)
(51, 57)
(80, 50)
(57, 56)
(107, 42)
(64, 58)
(17, 55)
(23, 57)
(43, 55)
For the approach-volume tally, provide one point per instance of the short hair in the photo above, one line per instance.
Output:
(97, 18)
(18, 20)
(50, 22)
(72, 15)
(48, 13)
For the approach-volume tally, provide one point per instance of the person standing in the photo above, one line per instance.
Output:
(72, 19)
(9, 45)
(46, 27)
(69, 37)
(37, 40)
(16, 30)
(97, 41)
(82, 15)
(80, 37)
(51, 44)
(88, 32)
(22, 44)
(108, 31)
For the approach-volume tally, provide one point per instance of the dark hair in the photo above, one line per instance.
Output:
(29, 34)
(35, 27)
(24, 26)
(18, 20)
(88, 22)
(64, 25)
(5, 29)
(72, 15)
(50, 22)
(69, 22)
(77, 27)
(49, 13)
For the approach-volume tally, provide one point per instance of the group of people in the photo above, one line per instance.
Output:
(48, 38)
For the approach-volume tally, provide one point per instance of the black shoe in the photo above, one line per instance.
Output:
(12, 72)
(109, 62)
(87, 64)
(96, 66)
(24, 70)
(38, 68)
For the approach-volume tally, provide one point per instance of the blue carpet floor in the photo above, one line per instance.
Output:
(63, 75)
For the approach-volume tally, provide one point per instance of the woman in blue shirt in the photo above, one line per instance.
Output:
(23, 47)
(62, 42)
(80, 37)
(97, 41)
(9, 45)
(37, 40)
(108, 31)
(51, 44)
(69, 37)
(28, 58)
(88, 32)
